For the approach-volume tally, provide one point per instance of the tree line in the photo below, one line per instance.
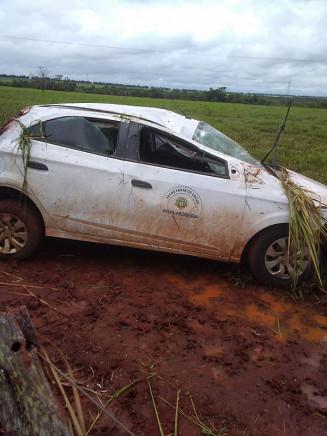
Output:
(43, 81)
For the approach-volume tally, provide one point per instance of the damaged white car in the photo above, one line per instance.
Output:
(142, 177)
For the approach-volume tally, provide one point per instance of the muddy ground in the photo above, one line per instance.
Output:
(253, 360)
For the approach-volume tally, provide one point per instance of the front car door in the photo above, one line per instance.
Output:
(179, 198)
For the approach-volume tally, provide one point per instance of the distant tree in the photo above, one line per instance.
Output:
(218, 94)
(44, 76)
(41, 79)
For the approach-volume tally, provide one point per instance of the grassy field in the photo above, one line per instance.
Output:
(303, 144)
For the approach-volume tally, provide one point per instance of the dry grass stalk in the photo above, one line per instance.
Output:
(176, 413)
(306, 229)
(77, 425)
(155, 410)
(207, 429)
(116, 395)
(41, 300)
(18, 279)
(24, 147)
(20, 285)
(77, 399)
(57, 374)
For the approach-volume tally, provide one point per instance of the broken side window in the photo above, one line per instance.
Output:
(162, 150)
(91, 135)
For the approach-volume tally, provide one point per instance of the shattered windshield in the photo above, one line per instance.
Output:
(212, 138)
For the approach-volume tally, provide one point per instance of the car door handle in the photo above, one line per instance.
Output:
(141, 184)
(37, 165)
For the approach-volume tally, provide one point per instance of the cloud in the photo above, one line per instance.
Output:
(246, 45)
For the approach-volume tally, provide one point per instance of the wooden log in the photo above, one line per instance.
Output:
(27, 404)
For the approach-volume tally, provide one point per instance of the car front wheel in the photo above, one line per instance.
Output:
(21, 229)
(270, 261)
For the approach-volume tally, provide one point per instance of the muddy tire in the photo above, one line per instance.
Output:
(21, 229)
(268, 259)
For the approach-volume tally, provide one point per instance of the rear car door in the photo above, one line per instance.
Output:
(76, 175)
(179, 198)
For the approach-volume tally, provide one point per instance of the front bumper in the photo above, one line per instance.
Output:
(324, 241)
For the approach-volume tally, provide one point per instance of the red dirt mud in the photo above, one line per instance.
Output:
(253, 360)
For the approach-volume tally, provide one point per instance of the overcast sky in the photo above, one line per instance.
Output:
(245, 45)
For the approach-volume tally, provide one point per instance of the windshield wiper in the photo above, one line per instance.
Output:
(271, 170)
(275, 146)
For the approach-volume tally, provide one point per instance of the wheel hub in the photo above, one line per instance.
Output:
(13, 234)
(280, 263)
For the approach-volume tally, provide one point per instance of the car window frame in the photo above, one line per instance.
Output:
(132, 152)
(121, 134)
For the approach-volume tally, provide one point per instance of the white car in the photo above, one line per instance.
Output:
(142, 177)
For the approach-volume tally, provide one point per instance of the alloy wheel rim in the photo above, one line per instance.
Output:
(13, 234)
(280, 263)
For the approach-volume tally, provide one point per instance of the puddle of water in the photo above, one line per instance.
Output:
(285, 319)
(257, 314)
(285, 325)
(277, 306)
(207, 293)
(313, 396)
(268, 318)
(202, 291)
(296, 325)
(295, 319)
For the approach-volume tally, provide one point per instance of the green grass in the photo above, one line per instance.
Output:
(303, 144)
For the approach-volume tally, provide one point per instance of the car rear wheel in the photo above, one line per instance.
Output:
(270, 262)
(21, 229)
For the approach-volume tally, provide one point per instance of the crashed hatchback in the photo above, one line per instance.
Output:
(142, 177)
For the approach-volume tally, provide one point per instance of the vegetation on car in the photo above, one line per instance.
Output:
(24, 147)
(305, 227)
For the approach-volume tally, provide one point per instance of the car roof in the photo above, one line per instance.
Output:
(153, 117)
(173, 121)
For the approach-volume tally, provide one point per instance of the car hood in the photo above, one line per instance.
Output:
(262, 179)
(317, 190)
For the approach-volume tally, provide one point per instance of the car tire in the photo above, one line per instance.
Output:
(266, 261)
(21, 229)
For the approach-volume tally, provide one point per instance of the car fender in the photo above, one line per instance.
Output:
(9, 183)
(251, 227)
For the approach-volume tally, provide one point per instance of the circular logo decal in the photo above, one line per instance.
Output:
(182, 201)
